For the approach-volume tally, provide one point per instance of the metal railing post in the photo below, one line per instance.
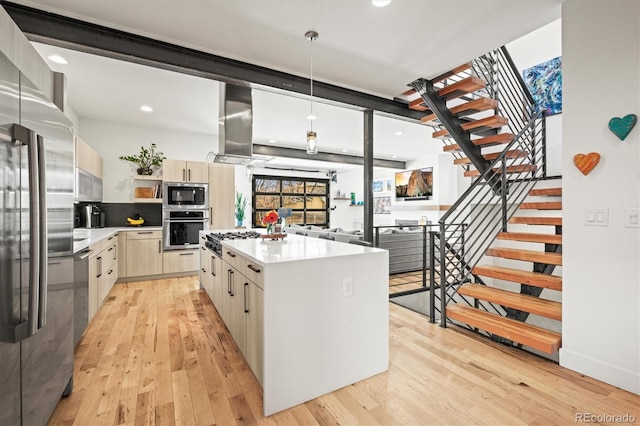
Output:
(443, 278)
(432, 276)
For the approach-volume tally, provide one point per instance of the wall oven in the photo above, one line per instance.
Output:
(182, 227)
(185, 195)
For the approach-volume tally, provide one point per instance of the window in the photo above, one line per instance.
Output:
(307, 198)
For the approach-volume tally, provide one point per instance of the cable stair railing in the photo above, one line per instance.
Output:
(471, 225)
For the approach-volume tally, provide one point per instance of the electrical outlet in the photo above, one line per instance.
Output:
(347, 287)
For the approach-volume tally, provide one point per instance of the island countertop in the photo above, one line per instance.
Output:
(294, 248)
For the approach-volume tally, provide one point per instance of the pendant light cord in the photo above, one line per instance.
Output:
(311, 40)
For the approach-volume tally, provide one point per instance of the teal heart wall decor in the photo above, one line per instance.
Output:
(621, 127)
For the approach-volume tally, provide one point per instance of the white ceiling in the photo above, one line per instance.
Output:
(370, 49)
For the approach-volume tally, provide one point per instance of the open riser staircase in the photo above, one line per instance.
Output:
(487, 120)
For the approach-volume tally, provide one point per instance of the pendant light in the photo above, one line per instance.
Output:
(312, 143)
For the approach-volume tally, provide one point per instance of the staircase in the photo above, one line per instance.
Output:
(487, 120)
(522, 284)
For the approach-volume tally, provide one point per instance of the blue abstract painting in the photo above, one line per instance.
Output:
(544, 81)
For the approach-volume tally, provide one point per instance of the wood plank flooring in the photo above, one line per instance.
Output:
(158, 353)
(406, 281)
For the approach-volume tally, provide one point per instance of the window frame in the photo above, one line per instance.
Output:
(282, 194)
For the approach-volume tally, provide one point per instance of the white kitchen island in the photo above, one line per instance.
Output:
(310, 315)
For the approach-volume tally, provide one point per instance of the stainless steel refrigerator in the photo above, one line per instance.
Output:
(36, 245)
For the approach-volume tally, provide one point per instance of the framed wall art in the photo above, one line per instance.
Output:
(544, 81)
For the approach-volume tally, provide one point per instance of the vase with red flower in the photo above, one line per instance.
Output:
(269, 221)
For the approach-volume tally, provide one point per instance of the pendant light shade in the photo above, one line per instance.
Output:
(312, 143)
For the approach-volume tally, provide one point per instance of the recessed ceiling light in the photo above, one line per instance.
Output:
(311, 117)
(345, 150)
(58, 59)
(272, 141)
(146, 108)
(394, 156)
(398, 133)
(380, 3)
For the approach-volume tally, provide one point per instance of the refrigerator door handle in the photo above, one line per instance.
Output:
(43, 243)
(27, 137)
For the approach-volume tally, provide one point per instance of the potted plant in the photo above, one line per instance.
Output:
(241, 204)
(147, 159)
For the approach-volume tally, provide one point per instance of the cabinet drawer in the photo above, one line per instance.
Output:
(234, 259)
(255, 273)
(143, 235)
(180, 261)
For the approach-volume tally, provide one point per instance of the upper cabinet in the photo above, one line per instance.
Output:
(87, 159)
(185, 171)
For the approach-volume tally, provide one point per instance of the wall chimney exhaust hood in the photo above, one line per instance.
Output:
(236, 125)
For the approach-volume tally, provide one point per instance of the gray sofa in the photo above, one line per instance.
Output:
(404, 244)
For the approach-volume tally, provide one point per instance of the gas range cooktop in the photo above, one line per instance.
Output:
(238, 235)
(214, 238)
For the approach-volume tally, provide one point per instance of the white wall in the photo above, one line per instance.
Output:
(111, 140)
(601, 291)
(536, 47)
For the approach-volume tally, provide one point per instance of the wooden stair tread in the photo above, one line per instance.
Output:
(522, 302)
(514, 153)
(545, 205)
(545, 191)
(526, 255)
(536, 337)
(520, 168)
(535, 279)
(531, 237)
(462, 87)
(492, 122)
(492, 140)
(556, 221)
(467, 108)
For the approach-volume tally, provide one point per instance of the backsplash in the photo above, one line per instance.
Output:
(116, 214)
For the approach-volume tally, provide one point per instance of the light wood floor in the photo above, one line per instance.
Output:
(406, 281)
(157, 353)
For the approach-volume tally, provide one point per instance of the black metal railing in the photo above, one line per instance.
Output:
(471, 225)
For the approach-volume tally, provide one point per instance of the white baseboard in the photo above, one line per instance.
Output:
(608, 373)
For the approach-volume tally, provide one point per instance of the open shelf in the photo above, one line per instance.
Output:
(145, 177)
(147, 200)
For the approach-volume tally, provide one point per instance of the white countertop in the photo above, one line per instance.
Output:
(294, 247)
(83, 237)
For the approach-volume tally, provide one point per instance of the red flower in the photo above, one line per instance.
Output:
(270, 218)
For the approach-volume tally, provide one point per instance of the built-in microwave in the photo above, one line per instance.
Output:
(181, 195)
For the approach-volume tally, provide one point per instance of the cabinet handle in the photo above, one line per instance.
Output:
(110, 238)
(99, 259)
(110, 271)
(144, 232)
(233, 284)
(115, 252)
(110, 248)
(211, 215)
(229, 281)
(189, 175)
(184, 174)
(246, 309)
(257, 271)
(159, 246)
(186, 254)
(231, 254)
(213, 266)
(203, 270)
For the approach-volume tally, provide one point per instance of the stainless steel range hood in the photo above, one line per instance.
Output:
(236, 124)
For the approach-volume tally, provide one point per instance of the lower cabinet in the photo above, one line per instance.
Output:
(103, 271)
(144, 253)
(180, 261)
(254, 302)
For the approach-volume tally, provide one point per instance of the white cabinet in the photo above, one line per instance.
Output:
(185, 171)
(222, 196)
(144, 253)
(87, 159)
(254, 302)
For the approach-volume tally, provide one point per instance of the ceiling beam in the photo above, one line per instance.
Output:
(278, 151)
(75, 34)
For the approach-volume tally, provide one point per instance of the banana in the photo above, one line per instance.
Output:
(135, 221)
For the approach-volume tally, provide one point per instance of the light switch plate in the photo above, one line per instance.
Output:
(632, 218)
(596, 217)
